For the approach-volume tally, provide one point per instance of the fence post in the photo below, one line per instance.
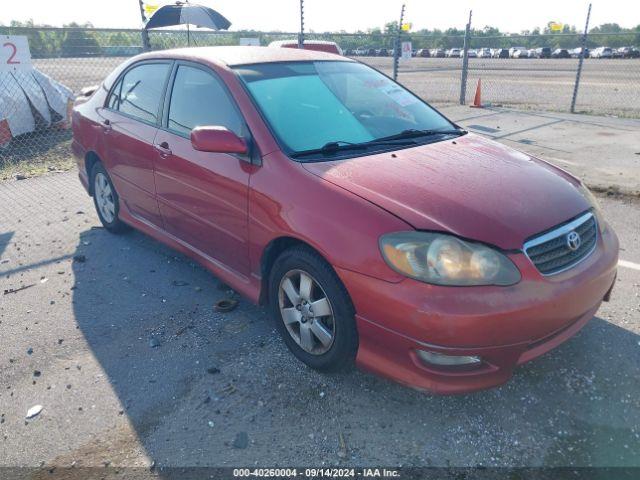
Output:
(465, 61)
(146, 45)
(579, 72)
(301, 34)
(396, 48)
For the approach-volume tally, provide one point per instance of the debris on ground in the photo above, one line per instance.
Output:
(179, 283)
(79, 258)
(34, 411)
(19, 289)
(225, 305)
(154, 342)
(213, 370)
(342, 452)
(241, 441)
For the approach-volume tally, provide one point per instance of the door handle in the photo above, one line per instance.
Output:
(106, 125)
(163, 149)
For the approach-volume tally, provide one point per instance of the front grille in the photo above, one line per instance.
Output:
(550, 252)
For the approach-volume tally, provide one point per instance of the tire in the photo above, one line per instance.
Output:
(340, 354)
(100, 180)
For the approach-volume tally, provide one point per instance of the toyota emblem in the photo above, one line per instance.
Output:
(573, 241)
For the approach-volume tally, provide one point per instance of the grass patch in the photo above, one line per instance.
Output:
(36, 153)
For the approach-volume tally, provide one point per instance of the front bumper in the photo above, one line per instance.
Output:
(505, 326)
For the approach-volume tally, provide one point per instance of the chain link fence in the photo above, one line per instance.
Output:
(521, 71)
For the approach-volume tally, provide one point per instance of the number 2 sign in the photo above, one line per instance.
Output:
(14, 53)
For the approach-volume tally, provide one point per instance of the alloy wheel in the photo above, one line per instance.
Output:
(306, 312)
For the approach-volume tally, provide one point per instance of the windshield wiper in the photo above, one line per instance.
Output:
(415, 133)
(341, 145)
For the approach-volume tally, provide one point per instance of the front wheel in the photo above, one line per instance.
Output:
(106, 200)
(313, 311)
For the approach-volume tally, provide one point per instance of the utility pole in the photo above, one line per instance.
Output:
(465, 61)
(145, 34)
(579, 72)
(301, 34)
(396, 48)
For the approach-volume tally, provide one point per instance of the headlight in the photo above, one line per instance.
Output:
(597, 211)
(446, 260)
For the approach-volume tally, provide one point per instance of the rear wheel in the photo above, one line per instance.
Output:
(106, 200)
(313, 310)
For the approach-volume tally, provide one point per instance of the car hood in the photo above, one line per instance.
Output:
(472, 187)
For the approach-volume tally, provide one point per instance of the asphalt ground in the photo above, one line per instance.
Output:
(117, 339)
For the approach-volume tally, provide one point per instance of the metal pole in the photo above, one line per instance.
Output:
(465, 61)
(301, 35)
(396, 48)
(146, 45)
(579, 72)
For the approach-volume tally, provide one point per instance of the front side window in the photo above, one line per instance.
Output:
(311, 104)
(141, 90)
(199, 99)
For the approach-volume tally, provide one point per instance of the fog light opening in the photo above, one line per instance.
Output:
(440, 359)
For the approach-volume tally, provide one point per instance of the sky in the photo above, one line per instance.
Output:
(337, 15)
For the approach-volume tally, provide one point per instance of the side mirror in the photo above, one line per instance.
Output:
(217, 139)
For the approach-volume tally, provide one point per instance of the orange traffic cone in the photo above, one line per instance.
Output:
(477, 102)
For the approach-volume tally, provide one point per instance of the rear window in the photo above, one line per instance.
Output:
(139, 91)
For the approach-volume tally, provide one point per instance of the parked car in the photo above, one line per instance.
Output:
(500, 53)
(560, 53)
(382, 52)
(371, 52)
(438, 258)
(315, 45)
(454, 53)
(575, 53)
(471, 53)
(484, 53)
(518, 52)
(628, 52)
(423, 52)
(602, 52)
(438, 53)
(521, 53)
(541, 52)
(361, 52)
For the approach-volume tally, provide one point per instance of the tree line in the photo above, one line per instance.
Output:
(84, 40)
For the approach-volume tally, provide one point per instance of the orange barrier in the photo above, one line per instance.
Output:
(5, 132)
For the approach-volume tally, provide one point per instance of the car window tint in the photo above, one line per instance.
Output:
(199, 99)
(114, 97)
(141, 91)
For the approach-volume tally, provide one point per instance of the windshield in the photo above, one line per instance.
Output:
(311, 104)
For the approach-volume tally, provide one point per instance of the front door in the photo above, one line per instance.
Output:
(203, 196)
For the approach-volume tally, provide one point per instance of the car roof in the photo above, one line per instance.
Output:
(245, 55)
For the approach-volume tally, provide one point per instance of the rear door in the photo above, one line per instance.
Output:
(130, 123)
(203, 195)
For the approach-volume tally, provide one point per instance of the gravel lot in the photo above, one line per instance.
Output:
(607, 86)
(118, 341)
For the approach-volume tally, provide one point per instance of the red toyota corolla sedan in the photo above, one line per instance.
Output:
(377, 231)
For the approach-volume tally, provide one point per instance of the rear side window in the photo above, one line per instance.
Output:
(198, 99)
(138, 93)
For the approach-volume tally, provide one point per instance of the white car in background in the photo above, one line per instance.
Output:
(518, 52)
(602, 52)
(454, 53)
(484, 53)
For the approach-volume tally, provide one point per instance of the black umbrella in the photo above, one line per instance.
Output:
(186, 14)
